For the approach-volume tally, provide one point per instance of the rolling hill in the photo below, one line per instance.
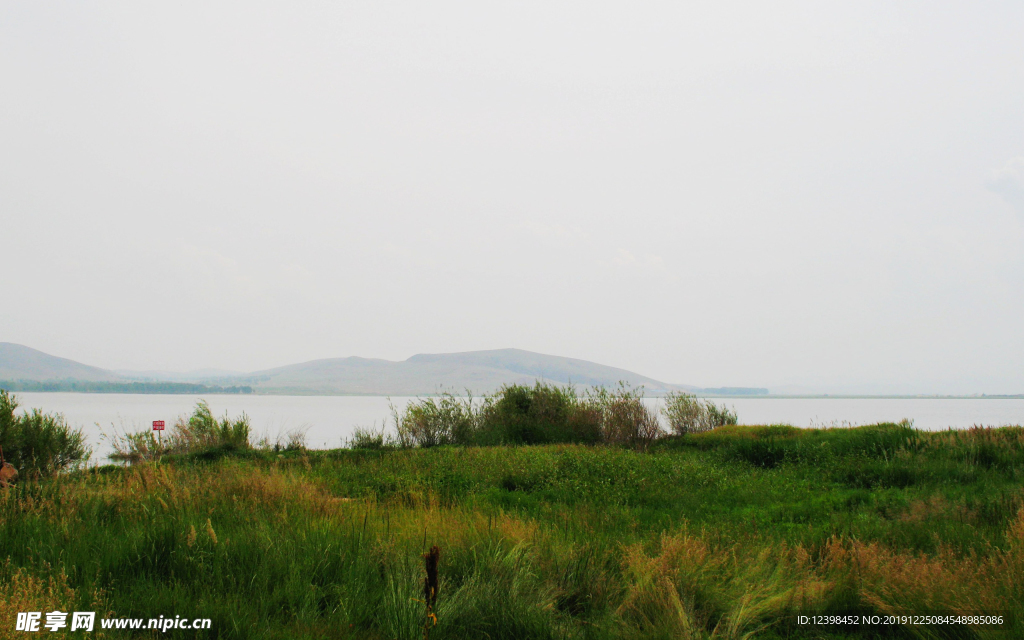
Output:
(426, 373)
(18, 362)
(478, 371)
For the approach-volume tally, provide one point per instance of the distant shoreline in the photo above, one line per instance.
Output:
(128, 388)
(834, 396)
(180, 388)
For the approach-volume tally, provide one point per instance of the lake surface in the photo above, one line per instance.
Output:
(329, 420)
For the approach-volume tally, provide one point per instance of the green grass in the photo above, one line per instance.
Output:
(727, 534)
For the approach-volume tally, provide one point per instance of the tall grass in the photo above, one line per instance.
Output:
(372, 438)
(726, 533)
(689, 539)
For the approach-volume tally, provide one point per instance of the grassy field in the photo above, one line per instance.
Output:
(731, 533)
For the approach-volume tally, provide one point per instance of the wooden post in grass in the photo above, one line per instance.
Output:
(430, 588)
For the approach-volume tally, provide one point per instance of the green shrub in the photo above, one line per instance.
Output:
(626, 419)
(687, 414)
(202, 430)
(719, 416)
(523, 415)
(38, 443)
(371, 439)
(430, 422)
(585, 423)
(518, 414)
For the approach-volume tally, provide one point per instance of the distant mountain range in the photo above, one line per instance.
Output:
(478, 371)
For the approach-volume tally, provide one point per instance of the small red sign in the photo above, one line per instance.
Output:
(158, 425)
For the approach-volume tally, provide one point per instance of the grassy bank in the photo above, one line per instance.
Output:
(730, 533)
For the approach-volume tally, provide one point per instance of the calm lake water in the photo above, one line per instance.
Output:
(329, 420)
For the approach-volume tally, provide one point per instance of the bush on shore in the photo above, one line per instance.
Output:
(686, 413)
(542, 414)
(371, 439)
(37, 443)
(198, 433)
(447, 419)
(626, 419)
(520, 415)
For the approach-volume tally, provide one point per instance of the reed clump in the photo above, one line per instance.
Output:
(625, 419)
(521, 415)
(686, 413)
(198, 433)
(447, 419)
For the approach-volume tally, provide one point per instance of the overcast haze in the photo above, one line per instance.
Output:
(820, 194)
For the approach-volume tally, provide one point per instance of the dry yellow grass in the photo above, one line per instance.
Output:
(672, 589)
(947, 582)
(21, 591)
(669, 590)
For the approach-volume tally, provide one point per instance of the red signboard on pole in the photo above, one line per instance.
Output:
(158, 425)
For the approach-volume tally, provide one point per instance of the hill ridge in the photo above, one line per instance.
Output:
(18, 362)
(479, 372)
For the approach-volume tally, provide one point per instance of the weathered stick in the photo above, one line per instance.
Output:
(430, 586)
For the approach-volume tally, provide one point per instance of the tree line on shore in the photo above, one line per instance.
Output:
(86, 386)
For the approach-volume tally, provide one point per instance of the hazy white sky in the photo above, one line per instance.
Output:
(825, 194)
